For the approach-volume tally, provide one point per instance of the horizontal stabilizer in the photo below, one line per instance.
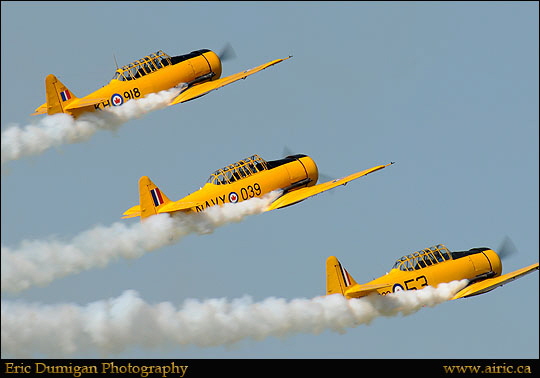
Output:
(134, 211)
(489, 284)
(41, 110)
(199, 90)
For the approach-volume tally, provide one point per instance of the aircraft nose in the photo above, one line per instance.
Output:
(495, 261)
(214, 63)
(311, 169)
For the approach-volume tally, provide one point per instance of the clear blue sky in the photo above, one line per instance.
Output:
(448, 90)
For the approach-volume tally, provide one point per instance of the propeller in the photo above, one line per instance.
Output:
(227, 52)
(507, 248)
(287, 151)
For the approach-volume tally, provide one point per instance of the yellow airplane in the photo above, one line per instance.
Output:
(194, 74)
(295, 175)
(428, 267)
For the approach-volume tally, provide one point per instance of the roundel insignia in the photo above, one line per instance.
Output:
(397, 287)
(117, 100)
(233, 197)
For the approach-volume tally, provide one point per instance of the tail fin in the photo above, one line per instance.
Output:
(58, 95)
(150, 198)
(337, 277)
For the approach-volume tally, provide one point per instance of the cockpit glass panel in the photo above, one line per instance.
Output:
(430, 259)
(408, 265)
(150, 65)
(438, 256)
(444, 252)
(157, 63)
(133, 72)
(144, 68)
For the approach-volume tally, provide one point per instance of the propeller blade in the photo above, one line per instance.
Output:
(507, 248)
(325, 178)
(287, 151)
(227, 52)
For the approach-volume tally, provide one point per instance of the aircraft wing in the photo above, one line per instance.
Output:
(357, 291)
(198, 90)
(489, 284)
(301, 194)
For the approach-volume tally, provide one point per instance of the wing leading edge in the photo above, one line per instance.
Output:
(304, 193)
(199, 90)
(489, 284)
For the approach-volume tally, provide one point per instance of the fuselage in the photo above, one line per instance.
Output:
(254, 177)
(436, 265)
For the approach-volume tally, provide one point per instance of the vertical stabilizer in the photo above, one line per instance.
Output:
(58, 95)
(151, 198)
(337, 277)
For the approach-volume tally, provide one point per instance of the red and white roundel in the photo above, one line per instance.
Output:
(117, 99)
(233, 197)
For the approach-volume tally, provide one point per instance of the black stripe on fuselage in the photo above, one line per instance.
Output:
(472, 251)
(180, 58)
(276, 163)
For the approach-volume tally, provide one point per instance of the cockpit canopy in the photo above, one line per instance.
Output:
(141, 67)
(151, 63)
(238, 170)
(421, 259)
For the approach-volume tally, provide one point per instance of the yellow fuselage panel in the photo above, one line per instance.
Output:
(256, 185)
(467, 267)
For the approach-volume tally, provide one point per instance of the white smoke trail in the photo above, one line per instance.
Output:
(58, 129)
(38, 262)
(110, 326)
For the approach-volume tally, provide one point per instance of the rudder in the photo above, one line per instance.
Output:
(337, 277)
